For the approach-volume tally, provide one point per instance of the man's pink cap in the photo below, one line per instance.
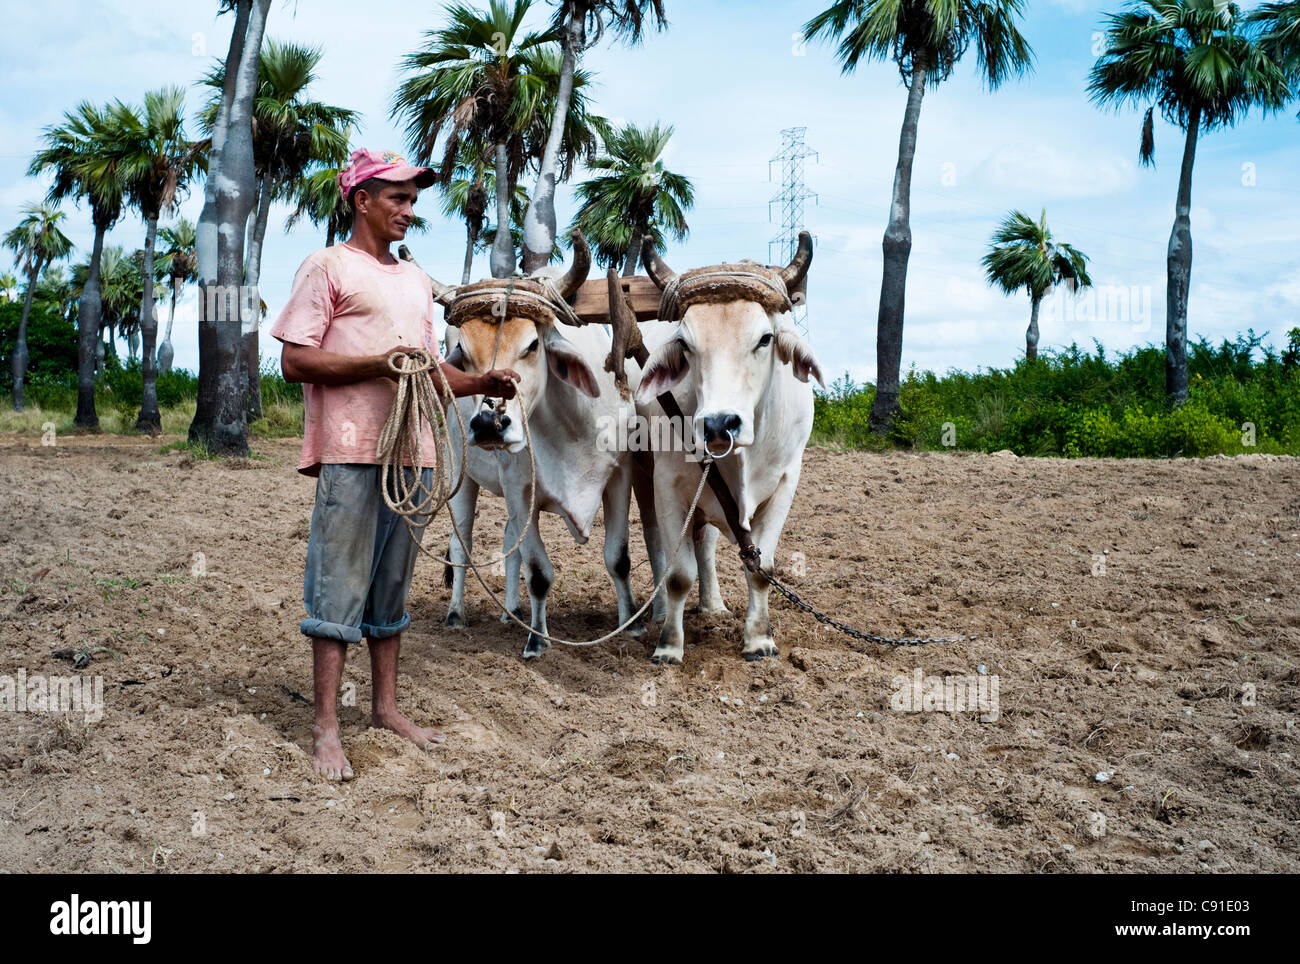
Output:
(385, 165)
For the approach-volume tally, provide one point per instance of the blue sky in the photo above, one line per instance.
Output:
(730, 76)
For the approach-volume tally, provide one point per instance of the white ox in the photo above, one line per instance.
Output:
(569, 399)
(739, 371)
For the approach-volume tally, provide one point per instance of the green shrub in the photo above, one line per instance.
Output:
(1080, 403)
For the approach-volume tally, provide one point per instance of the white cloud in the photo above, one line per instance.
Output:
(1053, 173)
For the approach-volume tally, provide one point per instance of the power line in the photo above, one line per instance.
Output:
(792, 197)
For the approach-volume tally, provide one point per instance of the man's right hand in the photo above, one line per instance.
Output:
(384, 369)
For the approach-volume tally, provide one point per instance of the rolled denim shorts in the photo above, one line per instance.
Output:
(359, 558)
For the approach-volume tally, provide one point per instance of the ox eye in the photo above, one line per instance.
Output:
(765, 340)
(532, 347)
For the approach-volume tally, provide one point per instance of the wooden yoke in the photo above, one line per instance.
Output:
(592, 303)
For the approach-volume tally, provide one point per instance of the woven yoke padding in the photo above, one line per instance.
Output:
(528, 298)
(719, 283)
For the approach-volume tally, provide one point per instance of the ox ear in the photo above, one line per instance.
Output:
(663, 369)
(794, 351)
(568, 365)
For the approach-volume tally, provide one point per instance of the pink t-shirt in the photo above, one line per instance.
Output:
(346, 302)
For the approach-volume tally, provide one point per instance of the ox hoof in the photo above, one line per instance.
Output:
(636, 630)
(518, 611)
(455, 620)
(667, 657)
(535, 646)
(761, 651)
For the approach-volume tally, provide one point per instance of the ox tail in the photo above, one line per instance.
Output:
(446, 576)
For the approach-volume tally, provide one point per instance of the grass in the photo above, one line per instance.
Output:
(52, 401)
(279, 420)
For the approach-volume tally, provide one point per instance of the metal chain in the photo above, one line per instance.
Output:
(821, 617)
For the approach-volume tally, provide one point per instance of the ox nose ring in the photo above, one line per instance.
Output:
(721, 426)
(731, 444)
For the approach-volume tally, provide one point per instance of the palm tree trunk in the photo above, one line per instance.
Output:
(633, 254)
(329, 234)
(897, 248)
(252, 277)
(220, 417)
(149, 420)
(539, 221)
(1031, 335)
(503, 248)
(88, 314)
(471, 239)
(165, 351)
(1179, 277)
(20, 344)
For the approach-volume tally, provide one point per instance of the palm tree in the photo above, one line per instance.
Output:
(291, 135)
(54, 292)
(37, 241)
(319, 199)
(120, 285)
(179, 261)
(925, 39)
(633, 197)
(580, 24)
(465, 196)
(80, 155)
(159, 162)
(474, 80)
(220, 416)
(1024, 255)
(1277, 27)
(9, 286)
(1196, 61)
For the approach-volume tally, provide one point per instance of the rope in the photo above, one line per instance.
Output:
(400, 443)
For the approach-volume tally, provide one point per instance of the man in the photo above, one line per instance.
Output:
(348, 304)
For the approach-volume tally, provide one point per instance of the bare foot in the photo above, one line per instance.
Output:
(423, 737)
(327, 755)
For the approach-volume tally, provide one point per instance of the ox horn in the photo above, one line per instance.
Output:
(442, 293)
(568, 285)
(659, 272)
(794, 273)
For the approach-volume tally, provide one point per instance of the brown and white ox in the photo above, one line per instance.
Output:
(569, 399)
(739, 371)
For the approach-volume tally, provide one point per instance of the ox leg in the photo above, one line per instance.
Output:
(512, 565)
(758, 642)
(537, 570)
(643, 487)
(706, 550)
(681, 569)
(616, 501)
(461, 507)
